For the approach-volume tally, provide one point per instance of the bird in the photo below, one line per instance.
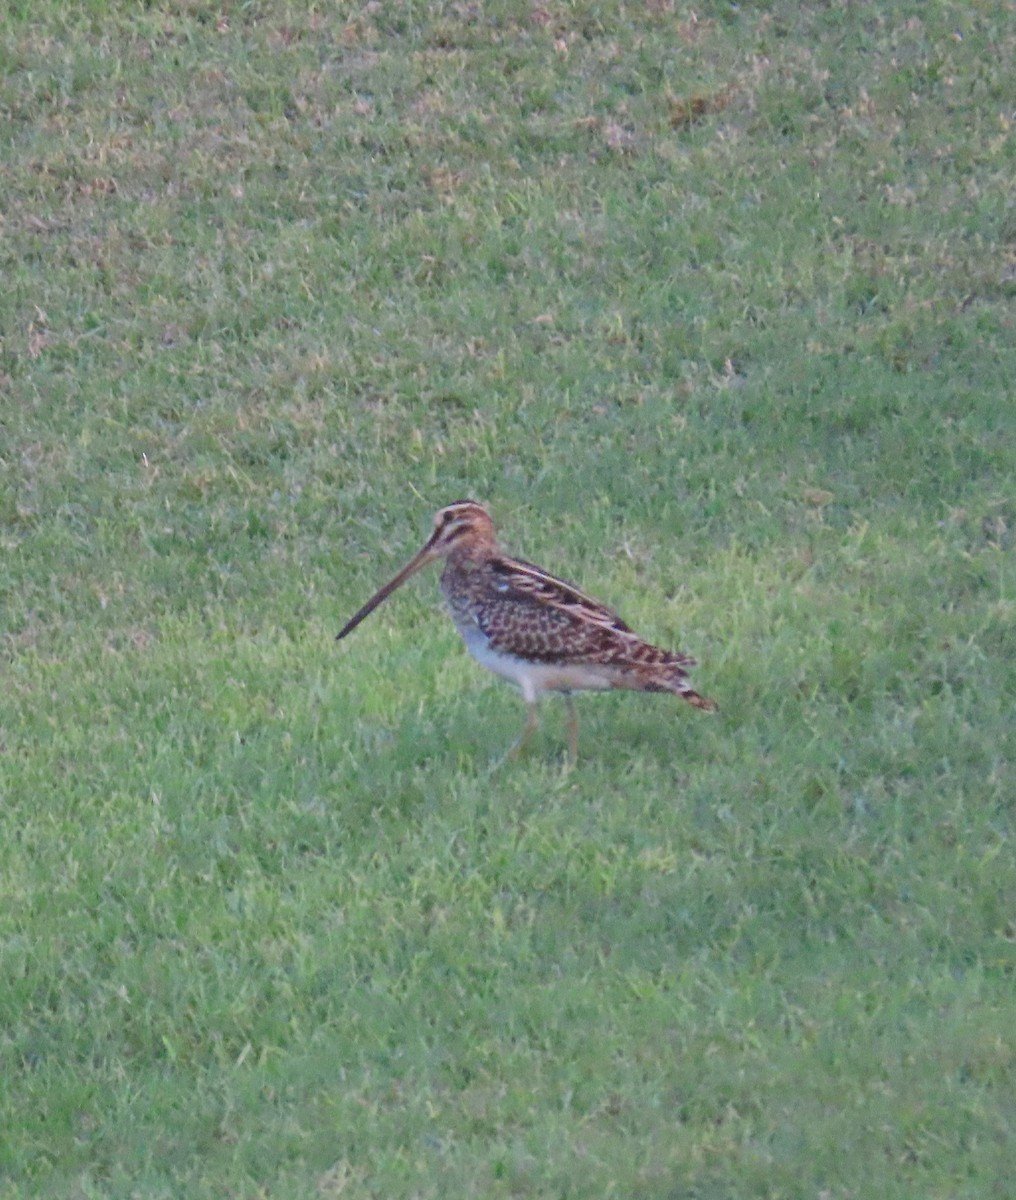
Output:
(533, 629)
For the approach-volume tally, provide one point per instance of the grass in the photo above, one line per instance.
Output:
(715, 309)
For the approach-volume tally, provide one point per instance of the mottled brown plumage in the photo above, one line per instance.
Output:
(538, 631)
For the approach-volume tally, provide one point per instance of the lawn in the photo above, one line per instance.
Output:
(715, 307)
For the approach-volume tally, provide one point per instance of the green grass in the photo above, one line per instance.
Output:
(716, 311)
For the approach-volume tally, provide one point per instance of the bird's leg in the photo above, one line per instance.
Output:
(573, 729)
(530, 727)
(516, 748)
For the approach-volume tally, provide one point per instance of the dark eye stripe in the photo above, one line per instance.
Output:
(458, 518)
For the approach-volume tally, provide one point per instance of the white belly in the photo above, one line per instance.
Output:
(532, 678)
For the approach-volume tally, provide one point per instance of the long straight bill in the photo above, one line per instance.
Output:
(420, 560)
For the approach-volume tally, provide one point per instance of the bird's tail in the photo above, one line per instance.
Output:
(667, 677)
(693, 697)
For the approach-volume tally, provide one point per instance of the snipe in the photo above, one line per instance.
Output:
(536, 630)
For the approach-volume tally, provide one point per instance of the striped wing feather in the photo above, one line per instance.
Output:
(525, 579)
(538, 617)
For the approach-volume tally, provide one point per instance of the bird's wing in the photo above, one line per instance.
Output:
(534, 615)
(524, 579)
